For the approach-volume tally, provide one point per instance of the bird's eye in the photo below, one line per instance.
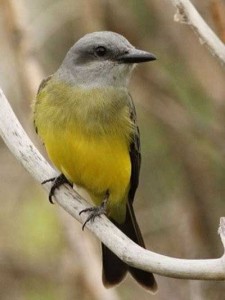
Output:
(100, 51)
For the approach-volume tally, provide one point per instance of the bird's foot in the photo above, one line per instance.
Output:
(57, 182)
(95, 211)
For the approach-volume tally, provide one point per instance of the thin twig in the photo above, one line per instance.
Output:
(24, 150)
(187, 14)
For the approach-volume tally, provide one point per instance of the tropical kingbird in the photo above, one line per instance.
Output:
(86, 119)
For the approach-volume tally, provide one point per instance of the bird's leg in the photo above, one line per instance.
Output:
(95, 211)
(57, 182)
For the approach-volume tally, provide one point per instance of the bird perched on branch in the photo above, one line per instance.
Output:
(86, 119)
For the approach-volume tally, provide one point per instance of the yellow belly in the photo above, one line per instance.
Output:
(87, 133)
(98, 164)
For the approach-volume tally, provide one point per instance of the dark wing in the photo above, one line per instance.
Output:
(135, 154)
(41, 87)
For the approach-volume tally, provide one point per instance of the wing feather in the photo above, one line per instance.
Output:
(135, 154)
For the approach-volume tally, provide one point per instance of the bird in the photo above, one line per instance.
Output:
(86, 119)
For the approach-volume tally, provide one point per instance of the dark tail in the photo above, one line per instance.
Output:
(114, 269)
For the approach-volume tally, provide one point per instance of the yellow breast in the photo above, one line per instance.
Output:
(87, 136)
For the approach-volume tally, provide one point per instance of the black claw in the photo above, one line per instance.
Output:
(57, 182)
(50, 196)
(87, 209)
(48, 180)
(95, 211)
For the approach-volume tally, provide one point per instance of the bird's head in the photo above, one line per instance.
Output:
(101, 59)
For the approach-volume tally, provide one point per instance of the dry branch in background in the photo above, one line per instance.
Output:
(187, 14)
(23, 149)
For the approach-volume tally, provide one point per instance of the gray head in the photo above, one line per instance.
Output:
(101, 59)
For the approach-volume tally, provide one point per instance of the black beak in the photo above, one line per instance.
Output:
(135, 56)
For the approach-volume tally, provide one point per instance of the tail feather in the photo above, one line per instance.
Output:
(114, 269)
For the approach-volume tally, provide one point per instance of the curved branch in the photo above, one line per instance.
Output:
(187, 14)
(23, 149)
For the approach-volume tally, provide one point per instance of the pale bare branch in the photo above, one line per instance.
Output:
(187, 14)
